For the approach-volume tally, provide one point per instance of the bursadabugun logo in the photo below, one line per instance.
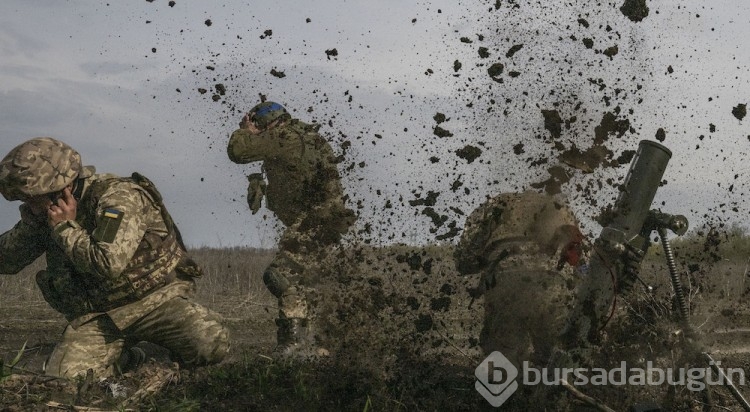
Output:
(496, 379)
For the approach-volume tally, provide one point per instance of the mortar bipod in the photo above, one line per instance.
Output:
(678, 224)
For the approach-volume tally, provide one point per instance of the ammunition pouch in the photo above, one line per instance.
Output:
(156, 262)
(275, 281)
(64, 293)
(188, 268)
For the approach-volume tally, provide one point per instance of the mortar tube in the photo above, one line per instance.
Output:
(639, 189)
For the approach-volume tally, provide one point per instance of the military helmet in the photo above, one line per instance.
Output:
(38, 166)
(265, 113)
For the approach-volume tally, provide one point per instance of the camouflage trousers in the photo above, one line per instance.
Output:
(296, 269)
(192, 333)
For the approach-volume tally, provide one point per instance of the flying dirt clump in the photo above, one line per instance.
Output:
(661, 135)
(635, 10)
(610, 125)
(495, 71)
(332, 53)
(469, 153)
(440, 132)
(553, 122)
(597, 155)
(558, 176)
(740, 111)
(611, 51)
(513, 50)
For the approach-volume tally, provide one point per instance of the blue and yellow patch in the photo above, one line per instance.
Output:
(112, 213)
(108, 225)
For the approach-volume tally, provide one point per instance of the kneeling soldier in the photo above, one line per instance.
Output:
(117, 268)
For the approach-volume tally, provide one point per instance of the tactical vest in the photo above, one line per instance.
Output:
(156, 262)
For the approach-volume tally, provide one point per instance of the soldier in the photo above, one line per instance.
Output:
(304, 191)
(528, 248)
(116, 265)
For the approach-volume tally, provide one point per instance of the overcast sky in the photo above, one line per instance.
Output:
(120, 82)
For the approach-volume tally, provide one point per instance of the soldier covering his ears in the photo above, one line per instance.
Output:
(117, 268)
(304, 191)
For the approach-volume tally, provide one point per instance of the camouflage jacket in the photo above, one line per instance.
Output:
(520, 231)
(118, 249)
(300, 167)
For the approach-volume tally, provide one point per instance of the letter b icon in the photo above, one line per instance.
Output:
(496, 379)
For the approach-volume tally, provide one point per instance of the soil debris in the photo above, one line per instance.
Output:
(553, 123)
(332, 53)
(661, 135)
(469, 153)
(440, 132)
(635, 10)
(495, 71)
(740, 111)
(513, 50)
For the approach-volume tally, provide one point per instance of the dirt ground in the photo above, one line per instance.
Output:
(404, 335)
(404, 322)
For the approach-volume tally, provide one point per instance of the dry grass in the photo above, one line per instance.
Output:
(235, 271)
(232, 271)
(22, 286)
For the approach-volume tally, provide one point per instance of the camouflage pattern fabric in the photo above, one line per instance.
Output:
(295, 269)
(116, 255)
(528, 250)
(118, 249)
(193, 334)
(38, 166)
(301, 170)
(304, 191)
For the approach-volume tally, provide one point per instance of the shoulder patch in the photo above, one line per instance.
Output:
(112, 213)
(108, 225)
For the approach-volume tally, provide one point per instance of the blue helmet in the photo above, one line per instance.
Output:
(266, 113)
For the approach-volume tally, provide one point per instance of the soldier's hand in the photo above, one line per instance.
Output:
(256, 190)
(631, 260)
(64, 209)
(632, 257)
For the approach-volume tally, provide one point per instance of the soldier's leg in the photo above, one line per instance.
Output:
(95, 345)
(286, 278)
(193, 334)
(283, 278)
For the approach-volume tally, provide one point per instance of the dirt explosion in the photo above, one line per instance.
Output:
(556, 93)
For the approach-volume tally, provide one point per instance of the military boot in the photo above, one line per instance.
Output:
(131, 359)
(294, 339)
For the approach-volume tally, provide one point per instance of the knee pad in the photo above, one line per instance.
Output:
(276, 283)
(218, 348)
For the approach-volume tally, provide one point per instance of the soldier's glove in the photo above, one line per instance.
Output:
(632, 258)
(630, 264)
(624, 258)
(256, 190)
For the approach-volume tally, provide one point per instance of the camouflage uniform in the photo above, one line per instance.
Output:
(528, 249)
(304, 191)
(119, 273)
